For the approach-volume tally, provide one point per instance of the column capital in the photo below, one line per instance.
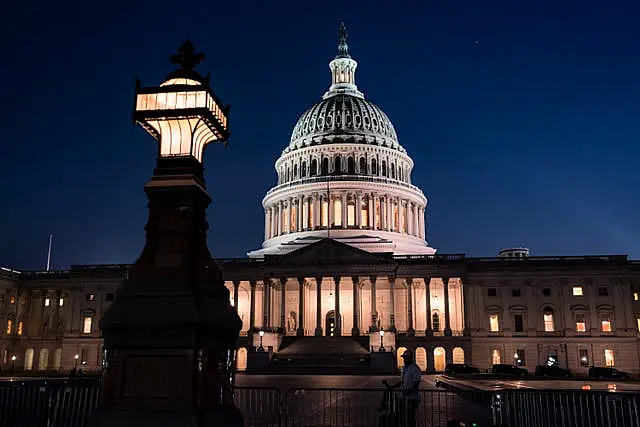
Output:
(355, 279)
(336, 279)
(373, 279)
(236, 282)
(252, 284)
(300, 280)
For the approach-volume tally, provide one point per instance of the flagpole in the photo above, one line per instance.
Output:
(49, 252)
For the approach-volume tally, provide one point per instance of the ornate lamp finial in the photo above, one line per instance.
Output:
(186, 56)
(343, 48)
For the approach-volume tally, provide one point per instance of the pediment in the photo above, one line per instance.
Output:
(328, 252)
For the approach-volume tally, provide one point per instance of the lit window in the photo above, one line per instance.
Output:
(493, 323)
(636, 296)
(20, 325)
(547, 317)
(337, 213)
(605, 322)
(609, 361)
(495, 356)
(583, 354)
(47, 301)
(638, 321)
(12, 299)
(351, 214)
(10, 326)
(577, 291)
(581, 325)
(324, 213)
(87, 325)
(61, 302)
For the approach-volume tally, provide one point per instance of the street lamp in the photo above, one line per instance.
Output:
(13, 363)
(76, 357)
(382, 340)
(517, 357)
(261, 333)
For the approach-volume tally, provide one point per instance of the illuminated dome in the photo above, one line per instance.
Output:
(344, 176)
(347, 116)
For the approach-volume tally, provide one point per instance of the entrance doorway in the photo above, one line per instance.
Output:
(331, 323)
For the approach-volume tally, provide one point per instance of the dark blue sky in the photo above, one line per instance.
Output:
(528, 137)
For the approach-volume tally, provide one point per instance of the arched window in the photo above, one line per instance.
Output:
(325, 166)
(435, 321)
(400, 174)
(374, 167)
(43, 360)
(314, 167)
(287, 175)
(337, 213)
(303, 170)
(547, 318)
(384, 168)
(351, 165)
(458, 355)
(363, 165)
(295, 171)
(392, 170)
(337, 164)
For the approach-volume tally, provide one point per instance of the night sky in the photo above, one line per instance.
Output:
(522, 117)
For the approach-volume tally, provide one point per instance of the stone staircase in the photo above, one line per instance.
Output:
(322, 355)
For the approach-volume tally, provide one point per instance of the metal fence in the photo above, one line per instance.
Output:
(72, 404)
(47, 404)
(566, 408)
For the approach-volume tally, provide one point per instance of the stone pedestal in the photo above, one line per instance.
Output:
(257, 361)
(170, 335)
(383, 363)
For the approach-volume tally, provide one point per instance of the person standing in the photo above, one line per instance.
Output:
(410, 379)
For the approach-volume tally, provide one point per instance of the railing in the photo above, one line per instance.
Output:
(566, 408)
(72, 404)
(48, 404)
(343, 178)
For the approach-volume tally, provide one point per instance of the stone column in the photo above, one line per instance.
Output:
(409, 220)
(447, 327)
(265, 302)
(371, 208)
(318, 306)
(300, 331)
(374, 318)
(374, 217)
(274, 221)
(410, 331)
(316, 211)
(355, 330)
(301, 225)
(344, 210)
(279, 219)
(358, 209)
(330, 215)
(336, 282)
(283, 301)
(427, 301)
(465, 314)
(236, 287)
(392, 293)
(252, 306)
(266, 223)
(416, 222)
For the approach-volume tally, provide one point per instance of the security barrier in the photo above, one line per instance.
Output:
(73, 403)
(534, 408)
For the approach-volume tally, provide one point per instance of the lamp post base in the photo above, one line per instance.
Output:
(136, 417)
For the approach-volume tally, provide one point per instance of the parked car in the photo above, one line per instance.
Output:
(552, 371)
(454, 369)
(512, 370)
(607, 373)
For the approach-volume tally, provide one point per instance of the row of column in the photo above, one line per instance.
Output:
(374, 324)
(344, 210)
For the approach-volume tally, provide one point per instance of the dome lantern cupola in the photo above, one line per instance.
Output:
(343, 69)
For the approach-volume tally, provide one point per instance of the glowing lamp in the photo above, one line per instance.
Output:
(13, 358)
(183, 114)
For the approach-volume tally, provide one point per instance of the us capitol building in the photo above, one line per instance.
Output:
(345, 271)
